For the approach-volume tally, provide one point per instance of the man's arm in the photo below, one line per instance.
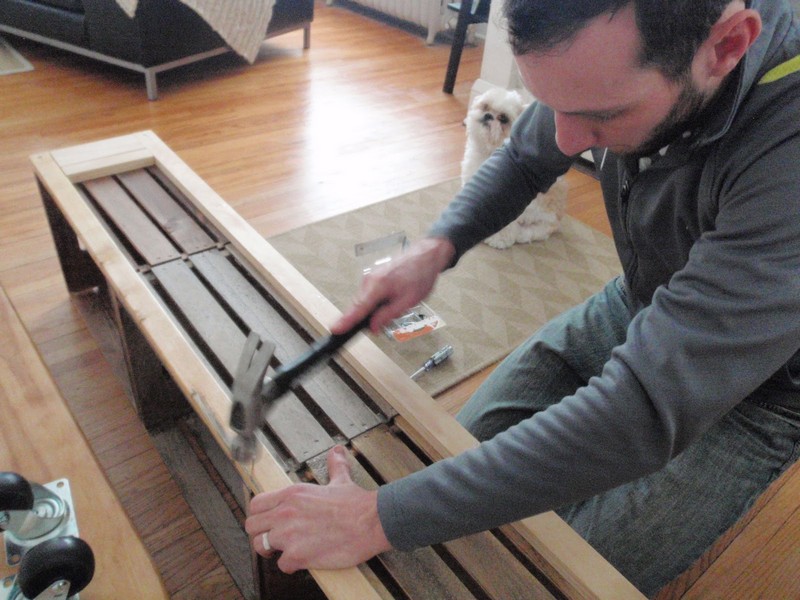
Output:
(713, 334)
(398, 286)
(498, 193)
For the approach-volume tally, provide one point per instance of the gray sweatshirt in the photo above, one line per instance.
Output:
(709, 240)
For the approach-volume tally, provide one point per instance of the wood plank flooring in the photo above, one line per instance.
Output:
(297, 137)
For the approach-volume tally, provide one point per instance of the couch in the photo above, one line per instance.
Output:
(162, 35)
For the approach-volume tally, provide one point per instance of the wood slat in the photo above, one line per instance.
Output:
(493, 566)
(164, 210)
(423, 575)
(104, 157)
(298, 430)
(146, 238)
(212, 322)
(175, 192)
(341, 404)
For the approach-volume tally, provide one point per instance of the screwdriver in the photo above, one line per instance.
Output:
(438, 358)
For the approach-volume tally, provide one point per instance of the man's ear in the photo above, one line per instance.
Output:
(729, 40)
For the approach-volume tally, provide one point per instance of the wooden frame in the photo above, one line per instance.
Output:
(575, 568)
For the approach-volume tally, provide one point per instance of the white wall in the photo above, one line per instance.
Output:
(498, 68)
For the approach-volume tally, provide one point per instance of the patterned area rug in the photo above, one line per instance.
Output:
(12, 61)
(491, 301)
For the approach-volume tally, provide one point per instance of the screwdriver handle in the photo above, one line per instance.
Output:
(438, 357)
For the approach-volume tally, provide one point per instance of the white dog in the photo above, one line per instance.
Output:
(488, 124)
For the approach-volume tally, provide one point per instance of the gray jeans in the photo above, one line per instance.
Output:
(653, 528)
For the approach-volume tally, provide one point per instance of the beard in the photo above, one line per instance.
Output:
(684, 113)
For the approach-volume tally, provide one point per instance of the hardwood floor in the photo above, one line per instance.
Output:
(294, 138)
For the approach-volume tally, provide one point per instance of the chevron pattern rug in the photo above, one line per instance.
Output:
(491, 301)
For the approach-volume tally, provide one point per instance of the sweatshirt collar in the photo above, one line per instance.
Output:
(776, 16)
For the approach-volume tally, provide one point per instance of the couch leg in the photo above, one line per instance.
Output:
(307, 37)
(150, 83)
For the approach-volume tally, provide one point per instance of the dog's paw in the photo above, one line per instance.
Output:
(535, 232)
(505, 238)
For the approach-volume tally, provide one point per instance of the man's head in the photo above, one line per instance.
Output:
(626, 74)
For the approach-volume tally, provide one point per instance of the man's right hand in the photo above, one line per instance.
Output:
(400, 285)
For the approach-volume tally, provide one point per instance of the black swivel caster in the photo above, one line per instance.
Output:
(15, 492)
(40, 531)
(53, 570)
(31, 513)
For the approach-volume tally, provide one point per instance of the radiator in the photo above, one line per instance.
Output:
(426, 13)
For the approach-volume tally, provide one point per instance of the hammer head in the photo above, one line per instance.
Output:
(247, 400)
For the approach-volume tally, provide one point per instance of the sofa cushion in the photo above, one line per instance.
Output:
(287, 14)
(45, 20)
(74, 5)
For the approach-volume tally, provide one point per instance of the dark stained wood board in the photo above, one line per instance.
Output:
(327, 389)
(144, 236)
(297, 429)
(170, 216)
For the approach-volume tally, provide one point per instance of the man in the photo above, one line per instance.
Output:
(653, 415)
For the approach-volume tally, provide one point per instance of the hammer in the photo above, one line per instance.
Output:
(254, 394)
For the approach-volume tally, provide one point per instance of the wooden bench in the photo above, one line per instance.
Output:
(40, 440)
(188, 279)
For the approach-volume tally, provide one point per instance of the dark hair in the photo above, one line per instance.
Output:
(671, 30)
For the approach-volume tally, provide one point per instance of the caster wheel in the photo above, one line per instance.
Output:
(64, 558)
(15, 492)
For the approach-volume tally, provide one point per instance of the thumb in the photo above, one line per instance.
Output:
(338, 466)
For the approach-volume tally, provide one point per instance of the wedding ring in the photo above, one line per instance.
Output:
(265, 541)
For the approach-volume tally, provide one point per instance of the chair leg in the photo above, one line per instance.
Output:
(431, 36)
(459, 38)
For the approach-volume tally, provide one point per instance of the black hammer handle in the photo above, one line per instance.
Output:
(322, 349)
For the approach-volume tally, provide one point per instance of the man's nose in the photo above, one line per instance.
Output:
(573, 136)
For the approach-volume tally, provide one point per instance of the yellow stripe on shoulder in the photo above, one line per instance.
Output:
(782, 70)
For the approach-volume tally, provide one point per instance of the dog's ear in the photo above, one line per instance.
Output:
(478, 99)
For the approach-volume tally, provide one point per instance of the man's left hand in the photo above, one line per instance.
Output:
(319, 526)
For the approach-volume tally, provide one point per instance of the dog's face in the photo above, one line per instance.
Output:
(491, 115)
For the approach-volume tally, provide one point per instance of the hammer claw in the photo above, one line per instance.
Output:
(248, 379)
(252, 394)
